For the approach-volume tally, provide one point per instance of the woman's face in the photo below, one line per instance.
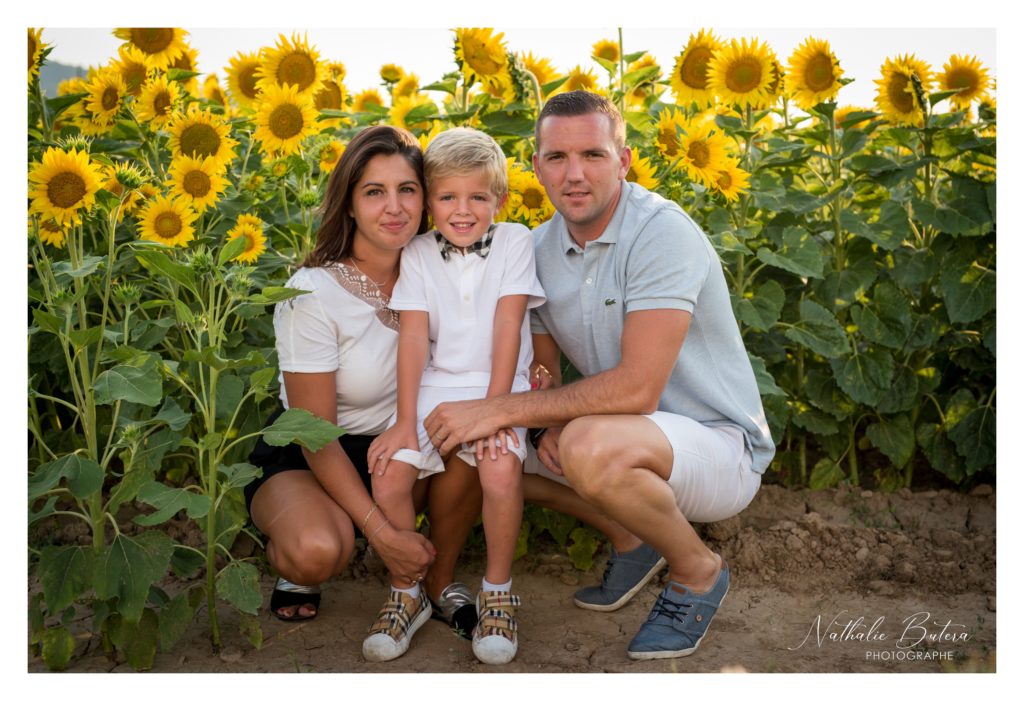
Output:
(387, 203)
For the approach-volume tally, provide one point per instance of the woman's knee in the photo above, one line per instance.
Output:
(312, 555)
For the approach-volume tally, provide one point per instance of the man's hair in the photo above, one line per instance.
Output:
(461, 151)
(579, 103)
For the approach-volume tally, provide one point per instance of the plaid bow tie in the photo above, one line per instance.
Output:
(481, 247)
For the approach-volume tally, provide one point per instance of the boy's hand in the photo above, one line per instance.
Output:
(387, 444)
(495, 443)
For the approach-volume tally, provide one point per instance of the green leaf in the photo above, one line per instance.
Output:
(90, 264)
(58, 646)
(183, 314)
(175, 618)
(130, 384)
(610, 66)
(173, 415)
(819, 330)
(765, 382)
(273, 295)
(853, 141)
(887, 319)
(902, 394)
(231, 250)
(137, 640)
(894, 437)
(762, 309)
(45, 511)
(448, 86)
(82, 338)
(552, 85)
(156, 261)
(975, 438)
(948, 220)
(64, 573)
(249, 627)
(230, 388)
(239, 585)
(810, 419)
(132, 481)
(260, 379)
(826, 474)
(935, 98)
(840, 288)
(508, 124)
(864, 376)
(56, 105)
(128, 566)
(301, 426)
(821, 390)
(800, 253)
(969, 290)
(582, 549)
(647, 74)
(181, 74)
(239, 474)
(186, 563)
(169, 501)
(892, 227)
(84, 476)
(876, 233)
(940, 451)
(47, 322)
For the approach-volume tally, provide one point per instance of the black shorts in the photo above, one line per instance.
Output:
(273, 459)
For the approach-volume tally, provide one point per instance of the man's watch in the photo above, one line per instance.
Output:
(534, 435)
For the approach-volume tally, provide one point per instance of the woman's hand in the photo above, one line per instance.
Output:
(540, 376)
(547, 449)
(399, 436)
(406, 554)
(496, 443)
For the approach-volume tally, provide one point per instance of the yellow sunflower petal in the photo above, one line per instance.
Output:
(35, 52)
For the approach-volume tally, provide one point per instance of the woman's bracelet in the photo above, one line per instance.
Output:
(368, 515)
(369, 538)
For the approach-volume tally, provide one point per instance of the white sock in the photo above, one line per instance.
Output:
(487, 586)
(414, 591)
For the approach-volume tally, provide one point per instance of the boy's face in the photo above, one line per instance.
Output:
(463, 207)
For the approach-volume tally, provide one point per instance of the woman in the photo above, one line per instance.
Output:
(337, 348)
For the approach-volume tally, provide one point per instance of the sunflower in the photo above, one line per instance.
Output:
(331, 96)
(35, 52)
(241, 72)
(607, 50)
(845, 111)
(187, 61)
(336, 70)
(703, 152)
(63, 184)
(690, 75)
(777, 86)
(161, 44)
(292, 63)
(541, 68)
(741, 72)
(579, 79)
(251, 228)
(212, 91)
(106, 91)
(330, 154)
(285, 117)
(168, 221)
(198, 181)
(426, 137)
(134, 67)
(156, 101)
(121, 178)
(501, 87)
(896, 97)
(391, 73)
(639, 93)
(670, 121)
(361, 101)
(50, 232)
(527, 201)
(407, 86)
(732, 181)
(814, 73)
(401, 108)
(480, 56)
(200, 133)
(641, 172)
(966, 74)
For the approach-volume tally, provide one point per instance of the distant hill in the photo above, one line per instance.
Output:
(52, 74)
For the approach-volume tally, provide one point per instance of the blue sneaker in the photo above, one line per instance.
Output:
(678, 621)
(624, 575)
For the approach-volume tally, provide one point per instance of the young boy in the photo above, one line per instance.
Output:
(463, 293)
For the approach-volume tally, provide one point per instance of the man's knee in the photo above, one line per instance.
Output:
(592, 456)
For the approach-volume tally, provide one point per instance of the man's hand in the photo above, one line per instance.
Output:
(547, 449)
(451, 424)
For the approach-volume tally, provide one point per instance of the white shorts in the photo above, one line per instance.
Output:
(427, 460)
(711, 475)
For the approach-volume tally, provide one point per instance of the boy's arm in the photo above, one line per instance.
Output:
(506, 338)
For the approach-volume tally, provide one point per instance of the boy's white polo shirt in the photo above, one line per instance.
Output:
(461, 296)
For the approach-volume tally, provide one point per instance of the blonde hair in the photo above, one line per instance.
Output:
(462, 150)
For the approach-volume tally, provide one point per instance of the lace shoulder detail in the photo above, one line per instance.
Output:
(359, 285)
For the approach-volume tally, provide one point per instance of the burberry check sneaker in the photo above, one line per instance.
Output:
(400, 617)
(494, 638)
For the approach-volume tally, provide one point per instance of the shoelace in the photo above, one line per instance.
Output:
(670, 609)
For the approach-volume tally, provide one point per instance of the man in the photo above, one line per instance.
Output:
(657, 433)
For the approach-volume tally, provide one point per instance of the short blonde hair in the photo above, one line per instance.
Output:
(462, 150)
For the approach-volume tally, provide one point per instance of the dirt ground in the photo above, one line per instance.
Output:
(833, 581)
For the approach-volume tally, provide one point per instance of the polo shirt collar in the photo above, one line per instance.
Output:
(611, 231)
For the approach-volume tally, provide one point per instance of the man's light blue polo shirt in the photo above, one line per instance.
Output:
(652, 256)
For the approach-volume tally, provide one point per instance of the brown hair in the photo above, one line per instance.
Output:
(337, 227)
(578, 103)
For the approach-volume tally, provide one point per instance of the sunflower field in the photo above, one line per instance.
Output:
(166, 210)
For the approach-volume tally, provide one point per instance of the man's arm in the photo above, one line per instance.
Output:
(650, 345)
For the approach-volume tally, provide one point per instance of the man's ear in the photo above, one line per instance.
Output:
(625, 160)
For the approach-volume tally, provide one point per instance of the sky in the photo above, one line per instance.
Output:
(427, 50)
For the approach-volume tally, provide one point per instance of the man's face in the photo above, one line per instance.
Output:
(581, 168)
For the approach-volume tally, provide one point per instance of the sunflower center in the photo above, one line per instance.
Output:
(329, 98)
(899, 93)
(199, 140)
(667, 138)
(694, 71)
(699, 154)
(250, 240)
(297, 69)
(197, 183)
(478, 57)
(724, 180)
(167, 225)
(247, 81)
(818, 75)
(110, 99)
(962, 78)
(286, 121)
(743, 75)
(65, 189)
(152, 40)
(608, 52)
(533, 199)
(162, 103)
(134, 76)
